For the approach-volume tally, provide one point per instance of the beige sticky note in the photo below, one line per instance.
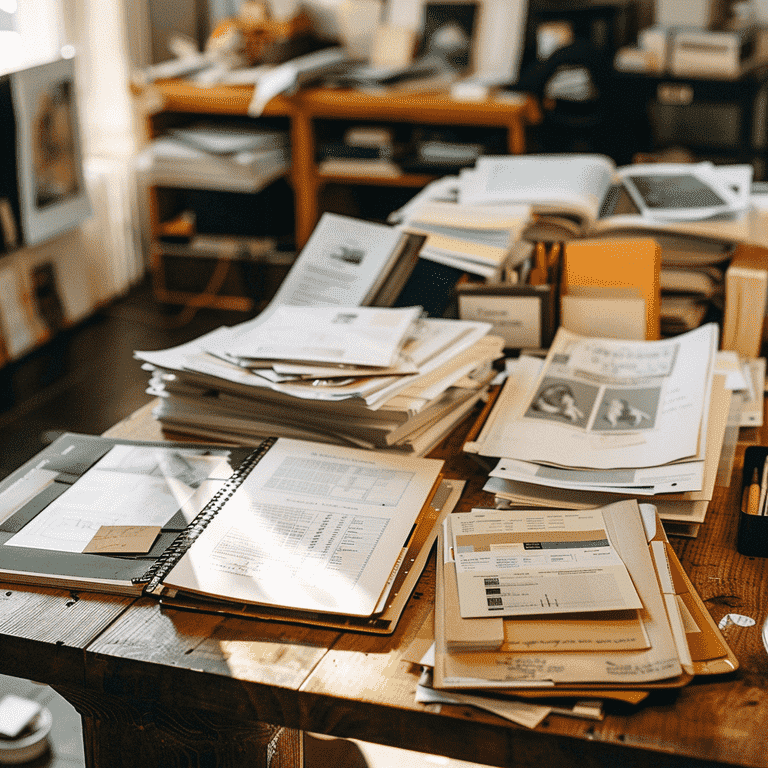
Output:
(123, 539)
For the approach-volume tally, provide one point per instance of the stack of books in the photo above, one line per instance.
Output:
(556, 603)
(369, 377)
(697, 212)
(600, 420)
(483, 240)
(233, 159)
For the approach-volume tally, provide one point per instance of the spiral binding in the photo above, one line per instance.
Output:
(154, 575)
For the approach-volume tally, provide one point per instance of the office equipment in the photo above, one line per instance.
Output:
(752, 535)
(709, 53)
(350, 526)
(753, 495)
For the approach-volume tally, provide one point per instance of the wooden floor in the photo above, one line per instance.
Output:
(86, 381)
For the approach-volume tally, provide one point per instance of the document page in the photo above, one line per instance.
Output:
(130, 485)
(605, 403)
(340, 265)
(337, 335)
(312, 527)
(537, 562)
(569, 183)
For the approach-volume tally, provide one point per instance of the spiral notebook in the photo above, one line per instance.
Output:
(292, 525)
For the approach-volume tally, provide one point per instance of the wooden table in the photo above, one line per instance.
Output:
(166, 688)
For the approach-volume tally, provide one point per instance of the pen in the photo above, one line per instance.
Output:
(753, 499)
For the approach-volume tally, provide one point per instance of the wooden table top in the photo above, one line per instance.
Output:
(346, 684)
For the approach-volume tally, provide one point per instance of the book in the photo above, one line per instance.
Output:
(292, 525)
(746, 292)
(626, 268)
(347, 262)
(580, 195)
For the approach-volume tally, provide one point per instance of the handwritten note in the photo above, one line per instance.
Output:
(123, 539)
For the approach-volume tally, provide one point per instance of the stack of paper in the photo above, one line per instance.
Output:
(484, 240)
(588, 603)
(601, 420)
(374, 378)
(231, 159)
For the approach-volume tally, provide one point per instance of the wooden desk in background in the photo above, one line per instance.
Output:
(160, 687)
(172, 103)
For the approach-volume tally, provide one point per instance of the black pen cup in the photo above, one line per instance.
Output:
(752, 538)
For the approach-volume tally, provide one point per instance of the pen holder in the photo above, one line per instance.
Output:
(752, 538)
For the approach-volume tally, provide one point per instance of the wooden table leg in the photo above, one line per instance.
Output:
(119, 732)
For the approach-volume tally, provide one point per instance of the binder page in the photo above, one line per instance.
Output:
(312, 527)
(130, 485)
(537, 562)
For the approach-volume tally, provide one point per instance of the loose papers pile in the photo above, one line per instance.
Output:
(363, 376)
(565, 603)
(484, 240)
(601, 420)
(236, 159)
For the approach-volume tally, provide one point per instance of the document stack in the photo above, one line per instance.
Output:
(543, 603)
(234, 159)
(483, 240)
(361, 376)
(600, 420)
(697, 212)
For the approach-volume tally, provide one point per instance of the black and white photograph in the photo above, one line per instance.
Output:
(627, 409)
(563, 401)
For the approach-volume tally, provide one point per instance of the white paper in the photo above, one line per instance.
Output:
(313, 527)
(338, 335)
(543, 562)
(605, 403)
(670, 478)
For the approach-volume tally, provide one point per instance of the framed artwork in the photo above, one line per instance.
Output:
(498, 32)
(448, 31)
(52, 195)
(523, 315)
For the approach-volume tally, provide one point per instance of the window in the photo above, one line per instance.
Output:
(30, 31)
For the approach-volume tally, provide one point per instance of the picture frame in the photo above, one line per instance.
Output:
(523, 315)
(52, 193)
(449, 29)
(498, 37)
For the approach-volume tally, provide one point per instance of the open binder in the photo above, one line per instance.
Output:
(293, 530)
